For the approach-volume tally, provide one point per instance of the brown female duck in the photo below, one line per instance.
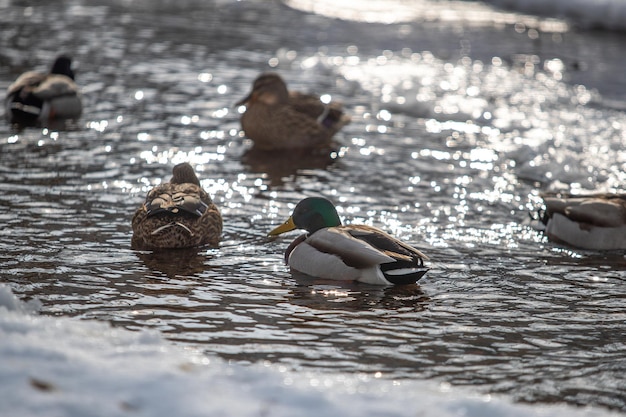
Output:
(276, 118)
(177, 214)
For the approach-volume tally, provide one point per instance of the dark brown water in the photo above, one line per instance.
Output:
(457, 126)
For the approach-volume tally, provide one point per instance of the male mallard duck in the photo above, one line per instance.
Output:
(177, 214)
(347, 253)
(596, 221)
(39, 98)
(276, 118)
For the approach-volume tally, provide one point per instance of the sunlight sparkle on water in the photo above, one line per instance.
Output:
(176, 156)
(325, 98)
(220, 113)
(98, 126)
(187, 120)
(205, 77)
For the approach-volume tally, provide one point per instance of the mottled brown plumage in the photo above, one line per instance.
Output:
(177, 214)
(276, 118)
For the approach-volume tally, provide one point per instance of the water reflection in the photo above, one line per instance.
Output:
(325, 295)
(282, 166)
(176, 263)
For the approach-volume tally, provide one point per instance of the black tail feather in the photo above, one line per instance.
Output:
(403, 272)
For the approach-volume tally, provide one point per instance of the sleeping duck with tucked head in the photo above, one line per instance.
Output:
(177, 214)
(37, 98)
(330, 250)
(594, 221)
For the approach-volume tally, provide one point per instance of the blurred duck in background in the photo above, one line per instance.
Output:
(596, 221)
(37, 98)
(278, 119)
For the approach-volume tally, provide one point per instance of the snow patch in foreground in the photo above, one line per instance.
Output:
(66, 367)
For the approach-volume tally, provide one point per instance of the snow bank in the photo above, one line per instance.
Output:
(65, 367)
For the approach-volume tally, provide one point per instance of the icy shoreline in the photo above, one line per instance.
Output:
(66, 367)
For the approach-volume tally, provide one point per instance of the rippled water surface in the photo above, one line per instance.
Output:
(458, 124)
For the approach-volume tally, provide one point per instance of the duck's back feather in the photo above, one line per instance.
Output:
(55, 85)
(282, 127)
(354, 252)
(386, 243)
(603, 210)
(329, 116)
(27, 79)
(177, 198)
